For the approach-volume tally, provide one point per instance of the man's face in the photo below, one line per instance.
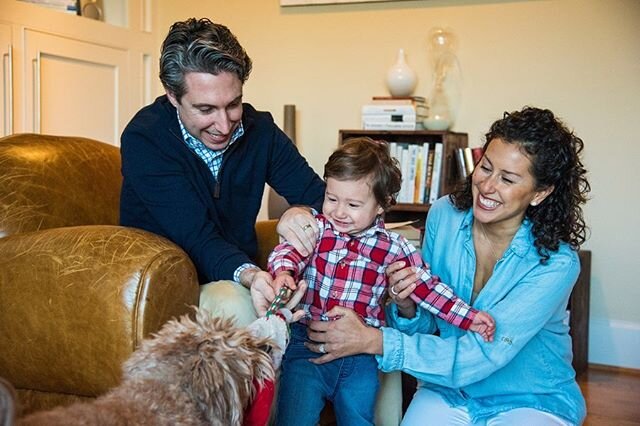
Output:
(211, 108)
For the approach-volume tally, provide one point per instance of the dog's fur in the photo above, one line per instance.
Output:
(191, 373)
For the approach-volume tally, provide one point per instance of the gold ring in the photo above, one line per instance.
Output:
(393, 290)
(307, 226)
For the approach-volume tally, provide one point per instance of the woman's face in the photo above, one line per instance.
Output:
(503, 186)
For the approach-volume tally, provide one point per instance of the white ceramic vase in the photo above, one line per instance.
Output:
(401, 79)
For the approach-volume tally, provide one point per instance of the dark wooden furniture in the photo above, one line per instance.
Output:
(450, 178)
(579, 314)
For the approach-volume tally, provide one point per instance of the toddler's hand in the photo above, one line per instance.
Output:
(484, 325)
(284, 279)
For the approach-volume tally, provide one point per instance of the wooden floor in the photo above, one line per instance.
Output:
(613, 396)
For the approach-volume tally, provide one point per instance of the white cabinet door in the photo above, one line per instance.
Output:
(74, 87)
(6, 82)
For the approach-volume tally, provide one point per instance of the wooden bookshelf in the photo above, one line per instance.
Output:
(449, 172)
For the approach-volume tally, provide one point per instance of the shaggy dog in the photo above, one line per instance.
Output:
(201, 372)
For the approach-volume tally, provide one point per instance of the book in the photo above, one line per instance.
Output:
(410, 230)
(390, 125)
(424, 173)
(417, 188)
(468, 160)
(410, 178)
(399, 100)
(461, 164)
(378, 118)
(393, 109)
(403, 156)
(427, 185)
(434, 191)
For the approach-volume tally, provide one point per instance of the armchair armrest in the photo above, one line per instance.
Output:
(75, 302)
(267, 240)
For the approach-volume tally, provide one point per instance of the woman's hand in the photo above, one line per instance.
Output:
(346, 334)
(402, 282)
(298, 226)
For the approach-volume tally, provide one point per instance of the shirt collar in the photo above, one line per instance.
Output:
(522, 241)
(375, 228)
(190, 139)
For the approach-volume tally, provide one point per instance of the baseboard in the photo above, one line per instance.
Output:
(614, 342)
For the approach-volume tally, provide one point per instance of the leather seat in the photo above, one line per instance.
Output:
(77, 292)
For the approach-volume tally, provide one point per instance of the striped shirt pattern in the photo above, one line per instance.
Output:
(349, 271)
(212, 158)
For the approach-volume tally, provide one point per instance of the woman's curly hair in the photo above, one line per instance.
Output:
(554, 152)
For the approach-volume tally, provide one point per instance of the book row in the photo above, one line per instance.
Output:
(421, 167)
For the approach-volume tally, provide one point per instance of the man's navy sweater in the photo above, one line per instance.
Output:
(168, 190)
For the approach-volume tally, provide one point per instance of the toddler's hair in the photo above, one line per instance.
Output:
(363, 157)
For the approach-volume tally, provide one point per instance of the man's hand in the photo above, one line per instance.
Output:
(276, 326)
(346, 334)
(298, 226)
(260, 283)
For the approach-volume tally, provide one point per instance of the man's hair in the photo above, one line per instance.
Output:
(199, 45)
(363, 157)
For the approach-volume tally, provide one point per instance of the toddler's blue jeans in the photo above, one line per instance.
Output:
(350, 383)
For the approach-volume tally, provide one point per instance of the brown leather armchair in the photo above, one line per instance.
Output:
(77, 292)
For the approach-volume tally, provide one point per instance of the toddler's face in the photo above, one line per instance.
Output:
(350, 205)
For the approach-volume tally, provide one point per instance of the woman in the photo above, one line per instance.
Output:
(507, 242)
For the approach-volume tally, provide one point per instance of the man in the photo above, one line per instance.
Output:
(195, 163)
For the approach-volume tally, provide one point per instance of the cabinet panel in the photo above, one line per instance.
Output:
(74, 87)
(6, 87)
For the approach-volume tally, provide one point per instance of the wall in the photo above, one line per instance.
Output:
(580, 58)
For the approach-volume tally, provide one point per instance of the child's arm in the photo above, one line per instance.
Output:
(439, 299)
(286, 264)
(484, 325)
(286, 259)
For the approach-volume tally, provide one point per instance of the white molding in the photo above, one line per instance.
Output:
(614, 342)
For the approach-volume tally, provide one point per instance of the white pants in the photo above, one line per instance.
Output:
(228, 299)
(429, 408)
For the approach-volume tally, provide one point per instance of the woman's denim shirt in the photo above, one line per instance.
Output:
(529, 362)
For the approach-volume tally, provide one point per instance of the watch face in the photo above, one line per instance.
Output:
(92, 10)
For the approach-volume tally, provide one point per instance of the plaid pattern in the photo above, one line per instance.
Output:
(349, 270)
(213, 159)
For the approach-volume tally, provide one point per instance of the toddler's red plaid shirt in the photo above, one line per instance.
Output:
(349, 271)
